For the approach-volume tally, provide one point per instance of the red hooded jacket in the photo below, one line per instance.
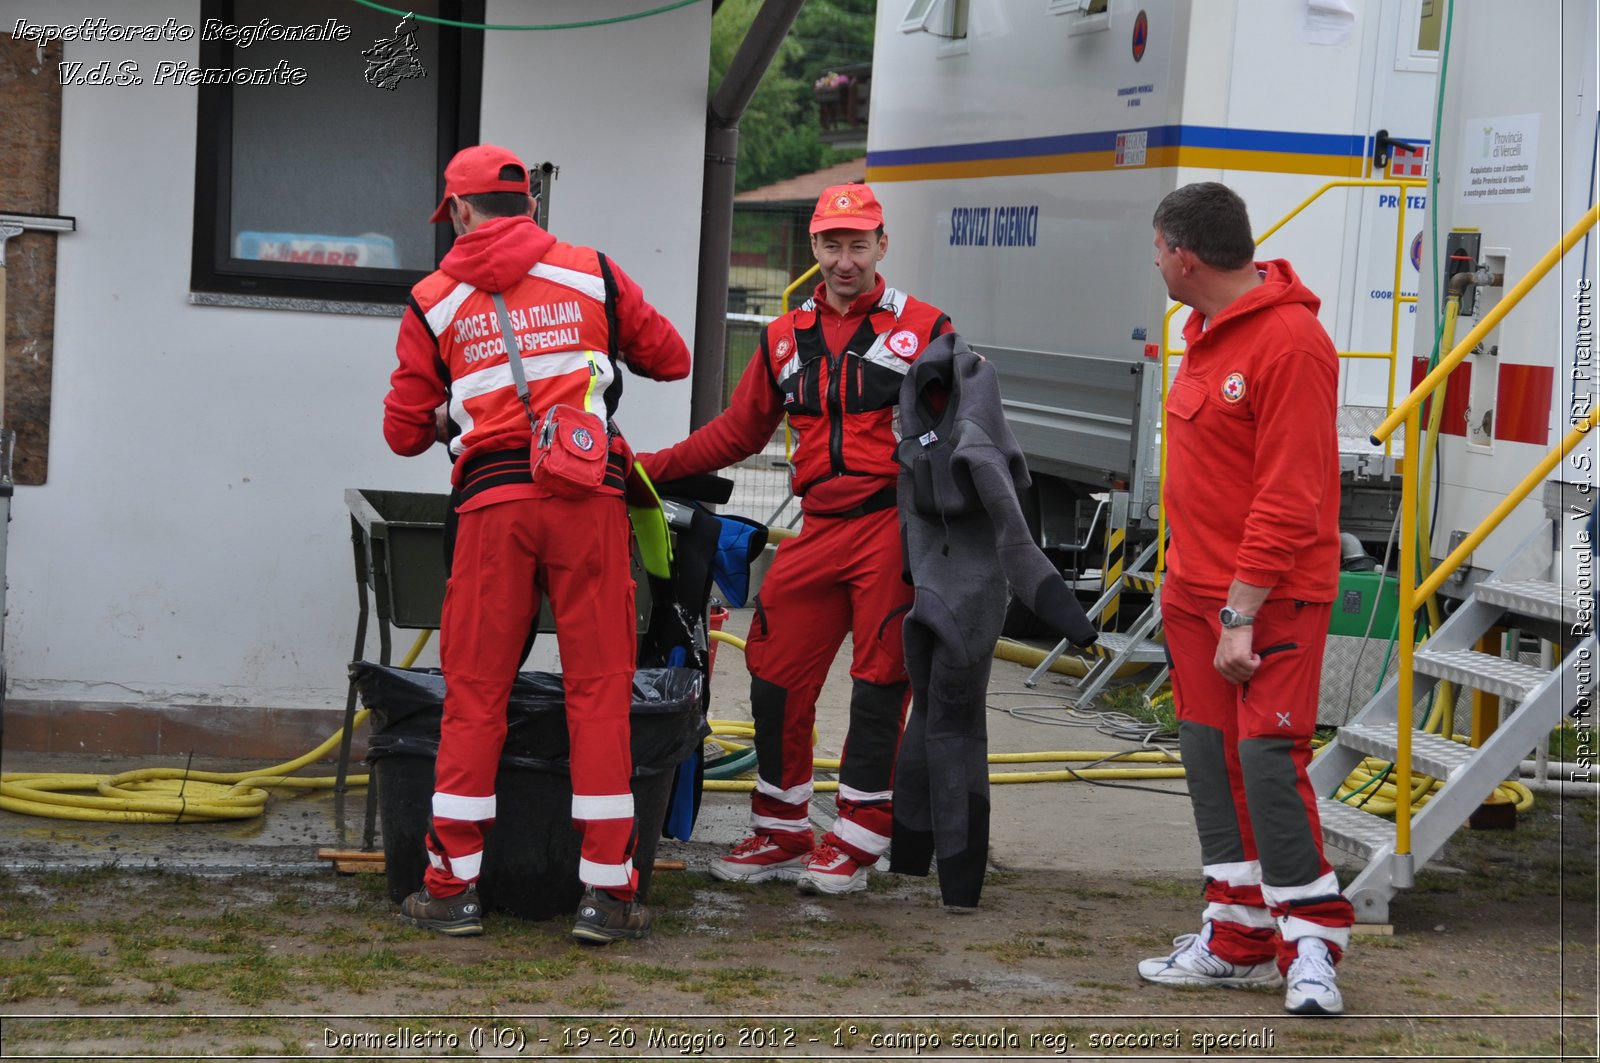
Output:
(1252, 486)
(571, 309)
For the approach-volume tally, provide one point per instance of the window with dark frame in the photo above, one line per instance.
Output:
(322, 190)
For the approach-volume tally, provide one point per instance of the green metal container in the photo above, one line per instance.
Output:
(399, 538)
(1360, 593)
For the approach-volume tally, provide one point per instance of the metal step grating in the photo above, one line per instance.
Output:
(1140, 581)
(1111, 643)
(1353, 830)
(1430, 754)
(1532, 597)
(1496, 675)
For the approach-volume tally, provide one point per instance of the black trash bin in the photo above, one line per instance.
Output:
(530, 857)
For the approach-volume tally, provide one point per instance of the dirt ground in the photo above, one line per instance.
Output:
(1493, 956)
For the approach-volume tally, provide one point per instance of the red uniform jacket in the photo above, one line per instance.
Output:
(573, 311)
(1252, 488)
(838, 378)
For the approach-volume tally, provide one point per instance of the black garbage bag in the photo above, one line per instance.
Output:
(530, 861)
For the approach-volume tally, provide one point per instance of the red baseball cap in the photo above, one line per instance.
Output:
(477, 169)
(847, 207)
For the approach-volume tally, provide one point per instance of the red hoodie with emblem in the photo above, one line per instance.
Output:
(1252, 485)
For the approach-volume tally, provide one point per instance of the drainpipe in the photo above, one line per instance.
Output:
(771, 24)
(12, 225)
(7, 231)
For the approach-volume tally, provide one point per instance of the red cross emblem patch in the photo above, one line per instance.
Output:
(904, 343)
(1233, 387)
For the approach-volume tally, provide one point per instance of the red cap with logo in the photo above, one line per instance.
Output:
(476, 170)
(847, 207)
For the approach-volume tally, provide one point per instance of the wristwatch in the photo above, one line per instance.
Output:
(1231, 617)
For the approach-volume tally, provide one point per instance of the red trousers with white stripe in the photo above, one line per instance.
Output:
(1245, 752)
(839, 576)
(507, 556)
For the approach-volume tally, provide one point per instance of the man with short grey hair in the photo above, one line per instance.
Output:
(1252, 501)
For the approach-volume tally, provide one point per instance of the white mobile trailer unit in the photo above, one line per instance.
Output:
(1518, 135)
(1020, 162)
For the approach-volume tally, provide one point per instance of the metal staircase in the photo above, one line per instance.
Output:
(1526, 593)
(1138, 645)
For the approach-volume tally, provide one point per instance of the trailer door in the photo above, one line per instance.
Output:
(1404, 50)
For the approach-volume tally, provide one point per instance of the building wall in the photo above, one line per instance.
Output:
(191, 546)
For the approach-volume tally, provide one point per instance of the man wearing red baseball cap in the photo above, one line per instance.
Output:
(834, 367)
(480, 170)
(576, 317)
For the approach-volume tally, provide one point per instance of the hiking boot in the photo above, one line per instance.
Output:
(832, 871)
(1193, 963)
(459, 916)
(603, 918)
(763, 856)
(1313, 989)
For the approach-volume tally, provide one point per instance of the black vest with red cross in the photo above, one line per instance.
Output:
(844, 408)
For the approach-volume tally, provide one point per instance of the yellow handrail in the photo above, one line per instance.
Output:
(1507, 504)
(788, 440)
(1409, 413)
(1490, 320)
(1392, 354)
(797, 282)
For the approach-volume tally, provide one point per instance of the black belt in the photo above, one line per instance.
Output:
(501, 467)
(494, 469)
(881, 499)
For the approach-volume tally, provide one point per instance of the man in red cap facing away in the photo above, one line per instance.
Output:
(576, 316)
(834, 367)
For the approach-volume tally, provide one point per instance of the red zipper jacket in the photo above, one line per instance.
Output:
(838, 378)
(571, 309)
(1252, 487)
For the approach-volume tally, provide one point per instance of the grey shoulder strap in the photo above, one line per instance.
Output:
(514, 357)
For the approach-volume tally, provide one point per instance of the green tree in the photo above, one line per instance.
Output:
(778, 133)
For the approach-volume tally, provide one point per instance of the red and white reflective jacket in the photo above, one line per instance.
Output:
(575, 315)
(837, 376)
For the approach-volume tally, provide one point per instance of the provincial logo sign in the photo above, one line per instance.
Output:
(1141, 35)
(582, 439)
(903, 343)
(1233, 387)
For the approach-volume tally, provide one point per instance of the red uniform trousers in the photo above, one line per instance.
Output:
(1245, 751)
(841, 574)
(507, 556)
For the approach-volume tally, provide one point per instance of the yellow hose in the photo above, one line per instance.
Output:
(171, 795)
(1020, 653)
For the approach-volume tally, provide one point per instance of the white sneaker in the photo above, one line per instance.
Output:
(1313, 988)
(760, 857)
(832, 871)
(1193, 963)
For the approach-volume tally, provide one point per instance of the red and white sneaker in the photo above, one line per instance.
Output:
(832, 871)
(764, 856)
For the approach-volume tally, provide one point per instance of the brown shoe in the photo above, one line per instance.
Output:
(603, 919)
(458, 916)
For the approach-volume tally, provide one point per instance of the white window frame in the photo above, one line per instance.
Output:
(1406, 54)
(1088, 16)
(946, 19)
